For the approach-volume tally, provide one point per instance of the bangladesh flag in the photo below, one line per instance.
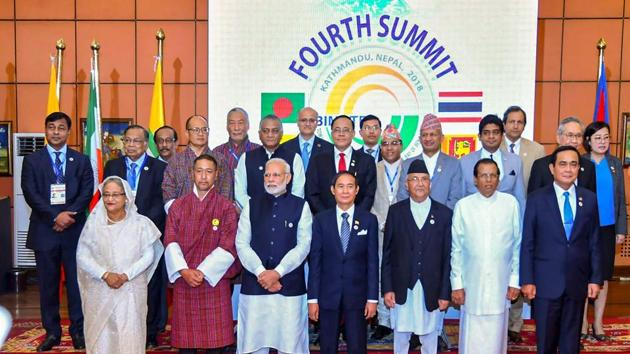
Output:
(283, 104)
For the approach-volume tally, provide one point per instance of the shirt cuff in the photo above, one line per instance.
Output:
(373, 301)
(514, 282)
(215, 265)
(174, 260)
(280, 269)
(167, 206)
(312, 301)
(259, 270)
(457, 283)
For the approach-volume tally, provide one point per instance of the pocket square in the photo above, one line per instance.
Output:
(362, 232)
(513, 173)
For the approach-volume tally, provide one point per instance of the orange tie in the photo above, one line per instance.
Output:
(342, 162)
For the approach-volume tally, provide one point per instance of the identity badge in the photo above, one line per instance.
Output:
(57, 194)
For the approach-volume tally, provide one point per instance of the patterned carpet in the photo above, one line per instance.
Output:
(27, 334)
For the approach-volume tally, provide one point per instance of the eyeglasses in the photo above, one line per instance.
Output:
(488, 176)
(308, 121)
(599, 139)
(341, 131)
(129, 141)
(112, 195)
(166, 140)
(199, 130)
(416, 179)
(572, 136)
(373, 128)
(391, 143)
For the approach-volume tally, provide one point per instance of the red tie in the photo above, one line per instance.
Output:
(342, 162)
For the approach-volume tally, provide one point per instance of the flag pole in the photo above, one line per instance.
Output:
(61, 46)
(95, 46)
(160, 36)
(601, 46)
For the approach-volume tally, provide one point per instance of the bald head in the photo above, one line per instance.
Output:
(307, 122)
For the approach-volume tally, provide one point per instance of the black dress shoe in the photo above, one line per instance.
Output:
(380, 332)
(152, 342)
(49, 342)
(514, 337)
(78, 341)
(414, 342)
(442, 345)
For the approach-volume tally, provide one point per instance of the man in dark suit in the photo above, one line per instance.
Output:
(342, 158)
(144, 175)
(570, 133)
(416, 262)
(343, 276)
(58, 184)
(307, 144)
(560, 260)
(370, 131)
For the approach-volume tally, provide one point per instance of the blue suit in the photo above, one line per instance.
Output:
(561, 269)
(343, 283)
(512, 181)
(445, 184)
(52, 248)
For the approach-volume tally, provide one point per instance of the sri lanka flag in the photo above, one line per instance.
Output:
(601, 99)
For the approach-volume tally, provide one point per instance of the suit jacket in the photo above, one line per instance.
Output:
(381, 197)
(319, 145)
(541, 176)
(511, 180)
(37, 176)
(401, 247)
(334, 276)
(529, 152)
(149, 191)
(379, 157)
(445, 184)
(319, 179)
(548, 260)
(619, 193)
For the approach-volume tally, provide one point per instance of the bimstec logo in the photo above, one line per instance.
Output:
(360, 65)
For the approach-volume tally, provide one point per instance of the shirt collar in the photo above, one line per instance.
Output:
(517, 143)
(392, 166)
(495, 155)
(197, 192)
(425, 157)
(63, 150)
(310, 141)
(423, 205)
(350, 212)
(139, 161)
(560, 191)
(347, 151)
(491, 198)
(233, 145)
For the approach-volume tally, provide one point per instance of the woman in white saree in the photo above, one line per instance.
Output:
(117, 253)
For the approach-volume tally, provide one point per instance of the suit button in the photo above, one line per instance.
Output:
(271, 243)
(274, 215)
(418, 263)
(273, 229)
(271, 258)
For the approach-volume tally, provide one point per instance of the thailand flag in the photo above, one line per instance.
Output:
(601, 100)
(460, 106)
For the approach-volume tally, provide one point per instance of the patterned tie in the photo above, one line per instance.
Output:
(345, 232)
(342, 162)
(133, 175)
(370, 151)
(59, 177)
(305, 156)
(512, 147)
(568, 216)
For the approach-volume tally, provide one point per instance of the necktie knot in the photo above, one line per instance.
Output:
(370, 151)
(345, 216)
(512, 145)
(491, 157)
(133, 166)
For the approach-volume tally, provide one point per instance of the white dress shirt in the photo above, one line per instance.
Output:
(347, 156)
(517, 145)
(497, 157)
(560, 198)
(430, 162)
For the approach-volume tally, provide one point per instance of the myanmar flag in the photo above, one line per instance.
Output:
(156, 119)
(283, 104)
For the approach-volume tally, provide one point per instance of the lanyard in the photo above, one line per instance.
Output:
(233, 152)
(390, 179)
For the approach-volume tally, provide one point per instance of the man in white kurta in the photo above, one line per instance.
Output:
(486, 239)
(272, 241)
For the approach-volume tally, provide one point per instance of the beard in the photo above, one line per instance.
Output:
(276, 190)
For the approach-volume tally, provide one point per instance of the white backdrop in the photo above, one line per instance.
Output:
(459, 59)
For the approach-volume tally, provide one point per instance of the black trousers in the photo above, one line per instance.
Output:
(157, 311)
(558, 323)
(48, 265)
(356, 330)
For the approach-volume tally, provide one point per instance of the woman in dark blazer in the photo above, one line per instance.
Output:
(611, 202)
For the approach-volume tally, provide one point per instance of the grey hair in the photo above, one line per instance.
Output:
(272, 117)
(567, 120)
(287, 168)
(116, 181)
(238, 110)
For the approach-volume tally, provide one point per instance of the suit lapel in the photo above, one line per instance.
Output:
(437, 173)
(353, 164)
(552, 202)
(355, 225)
(71, 164)
(336, 233)
(48, 162)
(578, 212)
(145, 173)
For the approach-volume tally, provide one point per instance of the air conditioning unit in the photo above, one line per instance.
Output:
(23, 144)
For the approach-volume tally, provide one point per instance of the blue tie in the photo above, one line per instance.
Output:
(345, 232)
(305, 155)
(59, 178)
(133, 175)
(568, 216)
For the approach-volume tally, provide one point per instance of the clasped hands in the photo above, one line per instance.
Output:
(115, 280)
(64, 220)
(270, 280)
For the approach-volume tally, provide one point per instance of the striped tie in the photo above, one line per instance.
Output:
(58, 168)
(345, 232)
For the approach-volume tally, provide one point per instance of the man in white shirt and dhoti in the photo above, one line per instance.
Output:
(485, 262)
(273, 240)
